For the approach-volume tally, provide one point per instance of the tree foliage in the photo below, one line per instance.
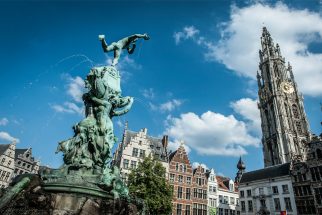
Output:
(148, 182)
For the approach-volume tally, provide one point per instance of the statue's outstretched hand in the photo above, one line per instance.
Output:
(146, 36)
(101, 37)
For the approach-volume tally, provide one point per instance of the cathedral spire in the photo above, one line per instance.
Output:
(284, 125)
(241, 169)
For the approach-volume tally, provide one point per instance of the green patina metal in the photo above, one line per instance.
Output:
(13, 191)
(87, 153)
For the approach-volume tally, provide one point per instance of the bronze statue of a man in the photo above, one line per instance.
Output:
(125, 43)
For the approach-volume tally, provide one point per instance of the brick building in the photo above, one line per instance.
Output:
(181, 179)
(200, 187)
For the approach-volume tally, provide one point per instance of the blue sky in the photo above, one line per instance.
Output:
(194, 79)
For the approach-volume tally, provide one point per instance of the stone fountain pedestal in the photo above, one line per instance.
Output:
(32, 195)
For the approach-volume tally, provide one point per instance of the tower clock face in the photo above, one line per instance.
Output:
(287, 87)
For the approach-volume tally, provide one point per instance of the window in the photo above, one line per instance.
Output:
(250, 205)
(181, 168)
(263, 203)
(179, 209)
(187, 210)
(295, 111)
(275, 189)
(319, 153)
(277, 204)
(195, 192)
(2, 175)
(318, 195)
(198, 181)
(125, 163)
(221, 211)
(243, 207)
(226, 200)
(184, 168)
(226, 212)
(237, 201)
(232, 200)
(188, 193)
(188, 180)
(242, 194)
(9, 162)
(298, 126)
(177, 166)
(199, 209)
(288, 204)
(142, 153)
(180, 178)
(212, 189)
(212, 202)
(179, 193)
(249, 193)
(7, 176)
(285, 188)
(171, 177)
(135, 152)
(231, 186)
(200, 193)
(3, 160)
(195, 206)
(140, 142)
(221, 199)
(133, 164)
(204, 192)
(261, 191)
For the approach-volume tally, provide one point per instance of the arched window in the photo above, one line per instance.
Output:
(319, 153)
(298, 127)
(295, 111)
(276, 72)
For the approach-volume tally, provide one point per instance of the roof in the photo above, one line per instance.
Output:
(158, 148)
(19, 152)
(223, 182)
(3, 148)
(266, 173)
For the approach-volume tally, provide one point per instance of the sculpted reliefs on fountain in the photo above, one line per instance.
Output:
(88, 152)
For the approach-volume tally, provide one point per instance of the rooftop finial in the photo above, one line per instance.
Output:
(240, 164)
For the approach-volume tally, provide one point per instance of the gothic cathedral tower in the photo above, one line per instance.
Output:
(284, 124)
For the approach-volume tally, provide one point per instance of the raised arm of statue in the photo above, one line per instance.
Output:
(125, 43)
(125, 109)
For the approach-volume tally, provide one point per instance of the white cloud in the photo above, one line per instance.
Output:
(4, 121)
(166, 106)
(248, 109)
(7, 137)
(211, 133)
(68, 107)
(293, 29)
(196, 164)
(76, 88)
(170, 105)
(148, 93)
(187, 32)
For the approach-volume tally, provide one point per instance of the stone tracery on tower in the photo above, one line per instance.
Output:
(284, 124)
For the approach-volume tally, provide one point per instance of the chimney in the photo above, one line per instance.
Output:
(165, 141)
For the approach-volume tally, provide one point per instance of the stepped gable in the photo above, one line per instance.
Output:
(3, 148)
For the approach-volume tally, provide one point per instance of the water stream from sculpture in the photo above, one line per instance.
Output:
(87, 153)
(85, 184)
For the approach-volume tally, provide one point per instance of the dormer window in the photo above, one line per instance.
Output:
(231, 186)
(27, 156)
